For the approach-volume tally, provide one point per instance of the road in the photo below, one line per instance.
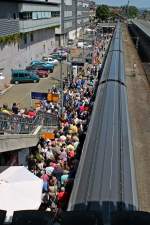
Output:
(139, 110)
(21, 93)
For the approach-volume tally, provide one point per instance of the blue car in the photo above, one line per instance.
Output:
(47, 66)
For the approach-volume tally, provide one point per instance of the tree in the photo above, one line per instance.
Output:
(132, 12)
(102, 12)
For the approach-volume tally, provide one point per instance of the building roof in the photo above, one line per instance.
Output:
(143, 25)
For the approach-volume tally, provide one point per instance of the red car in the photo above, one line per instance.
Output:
(41, 73)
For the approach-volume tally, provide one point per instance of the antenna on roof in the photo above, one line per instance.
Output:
(128, 8)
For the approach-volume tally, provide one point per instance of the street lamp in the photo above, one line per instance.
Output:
(61, 86)
(83, 42)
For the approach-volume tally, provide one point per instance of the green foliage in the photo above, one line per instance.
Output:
(130, 11)
(102, 12)
(14, 38)
(53, 27)
(133, 12)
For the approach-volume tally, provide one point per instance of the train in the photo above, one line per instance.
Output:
(105, 181)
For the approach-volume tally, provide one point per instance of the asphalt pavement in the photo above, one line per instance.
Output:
(21, 93)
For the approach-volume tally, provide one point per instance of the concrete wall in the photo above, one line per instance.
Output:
(13, 142)
(18, 56)
(8, 25)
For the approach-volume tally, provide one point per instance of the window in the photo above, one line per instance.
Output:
(25, 15)
(38, 15)
(31, 37)
(15, 75)
(34, 16)
(67, 24)
(67, 13)
(68, 2)
(55, 13)
(14, 16)
(9, 16)
(25, 38)
(21, 74)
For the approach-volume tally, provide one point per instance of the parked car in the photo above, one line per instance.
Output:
(70, 42)
(40, 73)
(65, 49)
(24, 76)
(41, 62)
(56, 56)
(42, 65)
(63, 54)
(80, 45)
(83, 45)
(87, 45)
(50, 60)
(39, 67)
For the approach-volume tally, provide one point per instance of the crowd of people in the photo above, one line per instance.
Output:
(43, 106)
(56, 160)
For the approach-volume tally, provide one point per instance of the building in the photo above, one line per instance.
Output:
(83, 14)
(27, 32)
(74, 15)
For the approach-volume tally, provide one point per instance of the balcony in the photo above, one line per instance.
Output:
(32, 25)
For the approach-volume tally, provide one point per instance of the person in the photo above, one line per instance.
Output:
(15, 109)
(32, 113)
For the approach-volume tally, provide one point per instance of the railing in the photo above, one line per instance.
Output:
(15, 124)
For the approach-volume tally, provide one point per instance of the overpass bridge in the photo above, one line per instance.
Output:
(12, 142)
(19, 133)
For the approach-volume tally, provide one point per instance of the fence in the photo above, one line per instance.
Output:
(14, 124)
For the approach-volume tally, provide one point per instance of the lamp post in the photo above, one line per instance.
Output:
(61, 88)
(83, 42)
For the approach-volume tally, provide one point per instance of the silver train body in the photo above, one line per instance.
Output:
(105, 181)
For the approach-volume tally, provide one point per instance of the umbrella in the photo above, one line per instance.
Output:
(19, 190)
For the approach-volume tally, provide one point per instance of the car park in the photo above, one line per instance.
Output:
(24, 76)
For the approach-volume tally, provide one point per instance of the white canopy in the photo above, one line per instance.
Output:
(19, 190)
